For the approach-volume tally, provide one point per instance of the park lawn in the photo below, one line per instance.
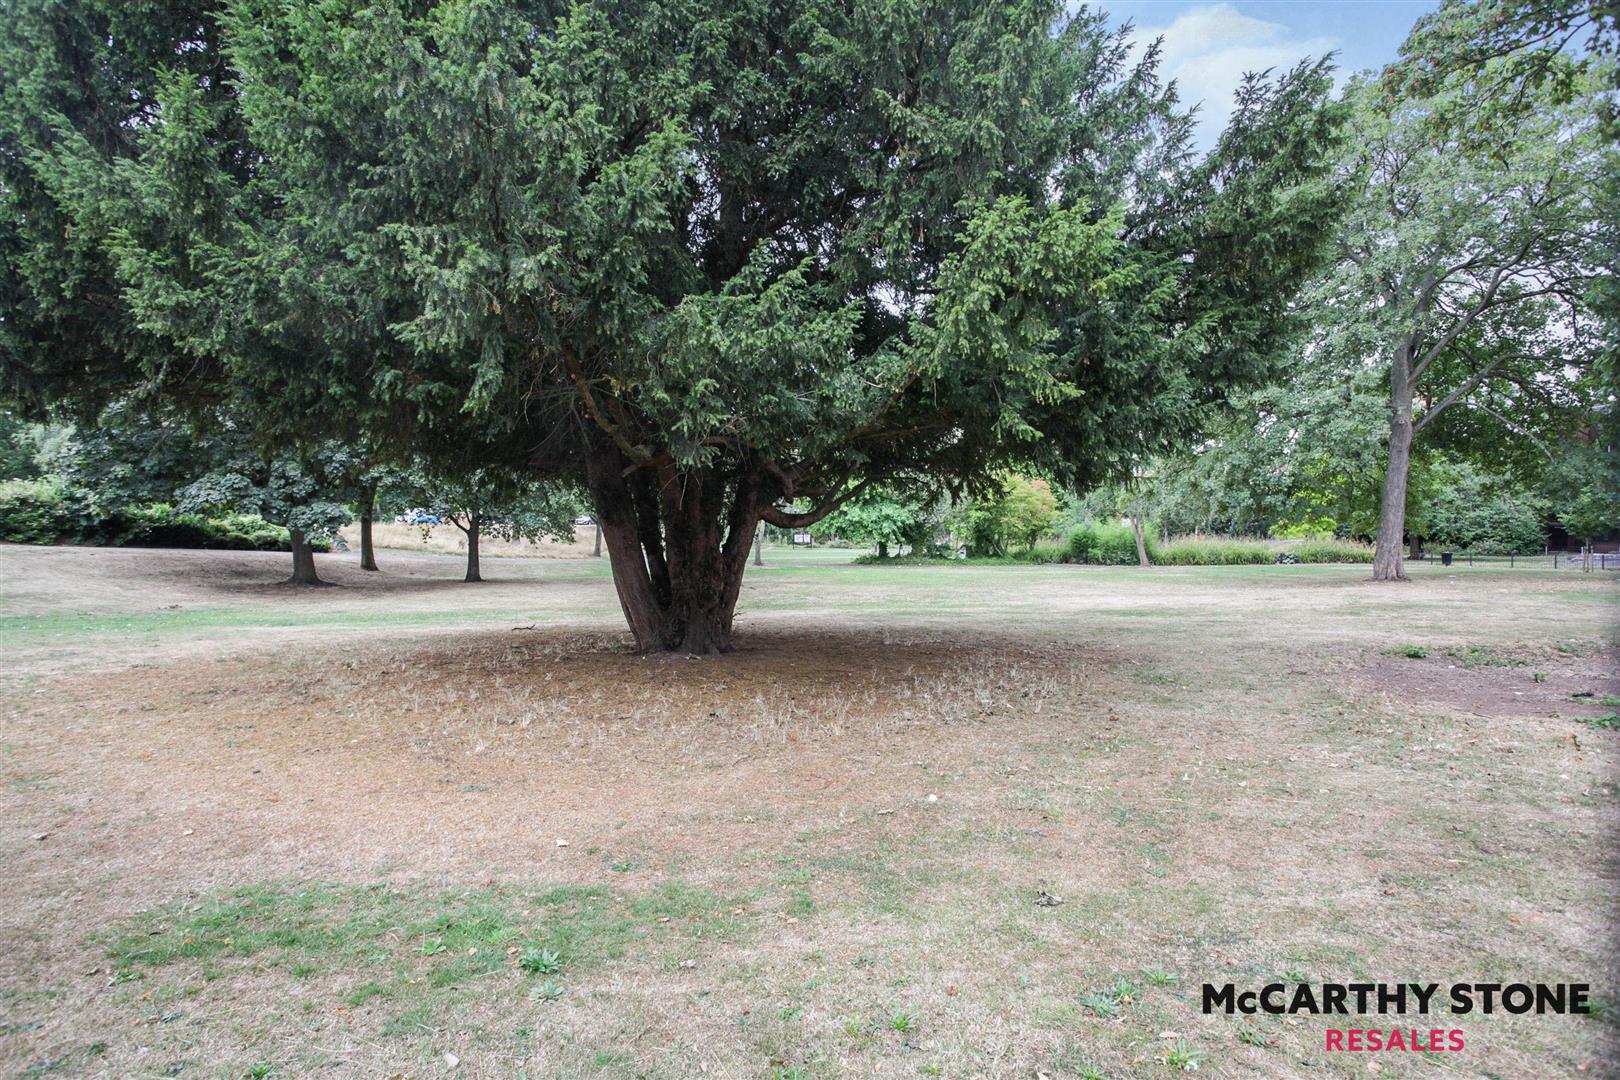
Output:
(926, 820)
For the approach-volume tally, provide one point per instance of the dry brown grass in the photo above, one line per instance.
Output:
(448, 540)
(1223, 775)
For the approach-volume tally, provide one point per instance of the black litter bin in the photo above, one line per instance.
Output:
(1445, 558)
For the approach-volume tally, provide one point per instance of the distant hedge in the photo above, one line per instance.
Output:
(41, 512)
(1113, 545)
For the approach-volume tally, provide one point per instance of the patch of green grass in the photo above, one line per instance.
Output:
(412, 946)
(1607, 720)
(1411, 652)
(903, 1022)
(364, 993)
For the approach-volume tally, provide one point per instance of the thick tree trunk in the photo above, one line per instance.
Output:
(368, 554)
(1416, 551)
(883, 549)
(472, 549)
(1387, 563)
(303, 560)
(678, 543)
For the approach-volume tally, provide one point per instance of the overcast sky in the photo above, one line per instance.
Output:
(1208, 46)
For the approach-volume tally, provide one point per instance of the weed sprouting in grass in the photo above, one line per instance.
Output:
(259, 1071)
(1606, 721)
(1250, 1037)
(537, 960)
(1183, 1057)
(903, 1022)
(1108, 1000)
(1157, 977)
(545, 991)
(1411, 652)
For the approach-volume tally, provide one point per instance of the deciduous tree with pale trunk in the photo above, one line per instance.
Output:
(1470, 245)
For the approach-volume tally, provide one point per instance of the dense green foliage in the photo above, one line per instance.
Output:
(1018, 511)
(1477, 512)
(34, 512)
(1214, 551)
(718, 262)
(883, 516)
(44, 512)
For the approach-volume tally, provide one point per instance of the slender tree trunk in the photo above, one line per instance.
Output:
(368, 553)
(597, 554)
(1387, 564)
(1416, 551)
(1141, 541)
(472, 548)
(759, 544)
(303, 560)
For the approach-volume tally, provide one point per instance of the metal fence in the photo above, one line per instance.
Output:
(1548, 560)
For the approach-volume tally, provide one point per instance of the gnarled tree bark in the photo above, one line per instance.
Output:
(678, 540)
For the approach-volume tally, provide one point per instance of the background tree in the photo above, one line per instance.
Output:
(885, 516)
(487, 502)
(1486, 514)
(1018, 510)
(305, 495)
(1469, 210)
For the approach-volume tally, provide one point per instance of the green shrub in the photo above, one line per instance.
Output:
(34, 512)
(161, 525)
(1215, 551)
(1332, 551)
(1045, 553)
(43, 512)
(1107, 545)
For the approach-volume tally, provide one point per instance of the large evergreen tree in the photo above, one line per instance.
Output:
(722, 263)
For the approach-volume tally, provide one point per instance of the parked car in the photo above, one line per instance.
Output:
(584, 519)
(418, 517)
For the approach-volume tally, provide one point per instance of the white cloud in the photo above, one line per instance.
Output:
(1208, 49)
